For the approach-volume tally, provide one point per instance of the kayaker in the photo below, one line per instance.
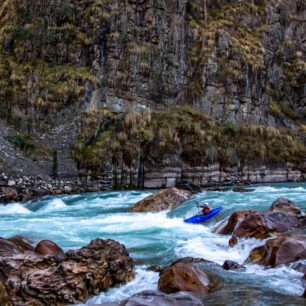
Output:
(206, 208)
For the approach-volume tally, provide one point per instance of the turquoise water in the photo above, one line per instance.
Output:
(159, 238)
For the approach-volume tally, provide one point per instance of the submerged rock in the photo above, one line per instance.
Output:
(157, 298)
(184, 277)
(286, 248)
(242, 190)
(162, 200)
(32, 279)
(232, 265)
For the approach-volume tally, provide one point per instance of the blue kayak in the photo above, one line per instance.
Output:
(203, 218)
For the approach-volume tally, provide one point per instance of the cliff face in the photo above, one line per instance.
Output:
(237, 62)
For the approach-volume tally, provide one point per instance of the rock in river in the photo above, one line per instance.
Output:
(162, 200)
(44, 278)
(184, 277)
(286, 248)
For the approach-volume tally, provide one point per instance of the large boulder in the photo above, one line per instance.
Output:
(157, 298)
(262, 225)
(162, 200)
(286, 248)
(184, 277)
(232, 265)
(228, 225)
(286, 207)
(33, 279)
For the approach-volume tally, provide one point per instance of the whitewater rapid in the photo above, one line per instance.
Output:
(154, 238)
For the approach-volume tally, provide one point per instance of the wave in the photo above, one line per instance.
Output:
(144, 280)
(54, 205)
(14, 208)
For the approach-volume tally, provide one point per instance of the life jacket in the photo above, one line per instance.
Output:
(206, 210)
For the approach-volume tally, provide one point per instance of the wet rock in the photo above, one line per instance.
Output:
(154, 268)
(263, 225)
(22, 244)
(49, 248)
(304, 295)
(228, 225)
(184, 277)
(286, 207)
(8, 248)
(298, 266)
(32, 279)
(232, 265)
(4, 297)
(242, 190)
(157, 298)
(286, 248)
(9, 194)
(162, 200)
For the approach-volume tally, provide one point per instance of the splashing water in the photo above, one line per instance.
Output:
(157, 238)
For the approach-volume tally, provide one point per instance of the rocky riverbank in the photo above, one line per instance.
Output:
(26, 188)
(45, 275)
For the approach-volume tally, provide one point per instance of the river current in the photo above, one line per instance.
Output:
(160, 238)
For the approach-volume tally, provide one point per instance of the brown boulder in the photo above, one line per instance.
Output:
(286, 207)
(4, 297)
(32, 279)
(9, 195)
(286, 248)
(162, 200)
(228, 225)
(48, 248)
(262, 225)
(183, 277)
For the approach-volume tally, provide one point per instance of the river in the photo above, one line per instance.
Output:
(160, 238)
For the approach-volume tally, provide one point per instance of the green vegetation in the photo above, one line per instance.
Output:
(22, 140)
(281, 109)
(182, 131)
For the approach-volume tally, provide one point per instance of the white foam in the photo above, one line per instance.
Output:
(54, 205)
(144, 280)
(216, 248)
(14, 208)
(281, 279)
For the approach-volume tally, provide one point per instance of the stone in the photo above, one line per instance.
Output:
(49, 248)
(22, 244)
(286, 248)
(48, 280)
(11, 183)
(243, 190)
(157, 298)
(232, 265)
(9, 194)
(162, 200)
(227, 226)
(184, 277)
(285, 206)
(67, 189)
(154, 268)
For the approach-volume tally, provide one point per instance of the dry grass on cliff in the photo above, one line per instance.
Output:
(185, 132)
